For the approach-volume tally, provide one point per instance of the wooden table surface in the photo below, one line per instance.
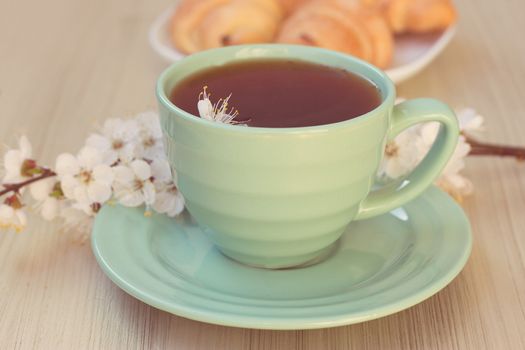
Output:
(67, 64)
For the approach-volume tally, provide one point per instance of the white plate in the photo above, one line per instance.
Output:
(412, 52)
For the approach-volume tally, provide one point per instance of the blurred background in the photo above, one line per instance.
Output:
(67, 65)
(99, 63)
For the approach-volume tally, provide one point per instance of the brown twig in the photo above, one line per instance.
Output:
(16, 187)
(479, 148)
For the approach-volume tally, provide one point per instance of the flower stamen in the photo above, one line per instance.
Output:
(149, 142)
(217, 112)
(117, 144)
(85, 176)
(391, 149)
(138, 185)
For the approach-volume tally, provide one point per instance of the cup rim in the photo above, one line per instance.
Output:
(387, 99)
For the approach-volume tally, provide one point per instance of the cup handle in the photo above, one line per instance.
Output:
(401, 191)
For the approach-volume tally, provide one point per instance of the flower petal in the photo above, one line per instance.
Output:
(155, 152)
(13, 160)
(25, 147)
(125, 154)
(75, 219)
(66, 164)
(205, 108)
(130, 131)
(80, 195)
(163, 202)
(141, 169)
(169, 202)
(103, 174)
(148, 191)
(429, 132)
(68, 185)
(178, 207)
(160, 170)
(469, 120)
(89, 157)
(49, 209)
(150, 124)
(103, 144)
(40, 190)
(123, 175)
(81, 212)
(132, 199)
(119, 129)
(12, 177)
(395, 169)
(98, 192)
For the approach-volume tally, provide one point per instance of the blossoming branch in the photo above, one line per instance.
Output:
(123, 163)
(404, 152)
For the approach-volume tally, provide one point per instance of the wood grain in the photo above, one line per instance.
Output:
(67, 64)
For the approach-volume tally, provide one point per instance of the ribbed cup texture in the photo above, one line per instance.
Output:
(269, 197)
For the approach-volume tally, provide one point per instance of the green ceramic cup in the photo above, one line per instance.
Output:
(281, 197)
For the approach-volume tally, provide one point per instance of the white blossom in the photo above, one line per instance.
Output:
(469, 120)
(89, 209)
(11, 217)
(216, 112)
(77, 219)
(402, 154)
(14, 161)
(161, 170)
(205, 108)
(450, 178)
(411, 146)
(47, 201)
(117, 140)
(85, 178)
(168, 200)
(125, 159)
(149, 139)
(134, 185)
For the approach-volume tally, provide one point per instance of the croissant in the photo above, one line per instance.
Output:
(205, 24)
(346, 26)
(419, 16)
(289, 6)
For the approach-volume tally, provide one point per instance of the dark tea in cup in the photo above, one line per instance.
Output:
(281, 93)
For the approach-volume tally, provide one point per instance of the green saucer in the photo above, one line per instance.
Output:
(380, 266)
